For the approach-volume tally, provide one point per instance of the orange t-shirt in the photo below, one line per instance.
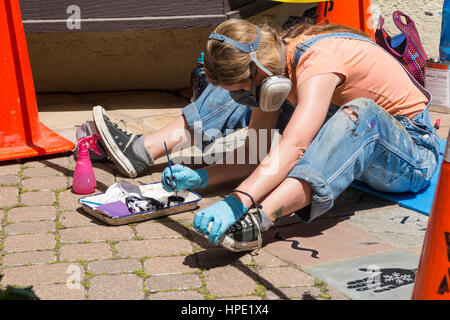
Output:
(368, 72)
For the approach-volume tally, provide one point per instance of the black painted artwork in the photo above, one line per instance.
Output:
(174, 200)
(145, 204)
(381, 280)
(295, 245)
(142, 204)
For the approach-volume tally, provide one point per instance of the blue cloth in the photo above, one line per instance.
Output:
(390, 154)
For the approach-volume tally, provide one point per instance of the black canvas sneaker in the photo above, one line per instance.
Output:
(118, 144)
(244, 235)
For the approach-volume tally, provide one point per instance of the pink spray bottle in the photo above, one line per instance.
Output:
(83, 178)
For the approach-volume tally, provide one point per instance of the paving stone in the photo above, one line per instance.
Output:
(267, 259)
(353, 201)
(398, 226)
(77, 219)
(230, 281)
(218, 257)
(187, 216)
(243, 298)
(103, 174)
(90, 251)
(156, 229)
(114, 266)
(284, 277)
(43, 274)
(49, 183)
(199, 241)
(176, 295)
(38, 213)
(33, 257)
(29, 242)
(30, 227)
(9, 169)
(151, 248)
(39, 198)
(117, 287)
(183, 281)
(9, 180)
(69, 200)
(295, 293)
(391, 271)
(96, 234)
(44, 172)
(170, 265)
(320, 241)
(149, 178)
(416, 250)
(58, 160)
(8, 196)
(60, 292)
(158, 122)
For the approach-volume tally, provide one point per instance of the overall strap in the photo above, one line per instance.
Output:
(304, 46)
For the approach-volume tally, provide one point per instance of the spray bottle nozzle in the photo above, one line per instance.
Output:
(89, 142)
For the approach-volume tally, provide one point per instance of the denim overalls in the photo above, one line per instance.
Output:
(389, 153)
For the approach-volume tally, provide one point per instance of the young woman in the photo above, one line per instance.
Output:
(380, 134)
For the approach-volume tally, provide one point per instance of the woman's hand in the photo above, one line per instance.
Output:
(222, 214)
(182, 177)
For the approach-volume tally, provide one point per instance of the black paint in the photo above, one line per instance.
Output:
(174, 200)
(443, 287)
(382, 280)
(295, 245)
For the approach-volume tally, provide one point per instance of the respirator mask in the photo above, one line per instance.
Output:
(273, 91)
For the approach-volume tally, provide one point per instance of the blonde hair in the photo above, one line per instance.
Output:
(227, 65)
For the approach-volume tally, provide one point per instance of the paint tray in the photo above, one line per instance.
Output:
(93, 205)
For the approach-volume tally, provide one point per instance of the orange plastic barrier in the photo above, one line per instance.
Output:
(21, 133)
(351, 13)
(433, 275)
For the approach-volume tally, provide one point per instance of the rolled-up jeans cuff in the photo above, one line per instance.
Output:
(194, 122)
(322, 196)
(191, 115)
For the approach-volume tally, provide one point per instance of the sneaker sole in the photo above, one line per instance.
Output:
(123, 164)
(230, 244)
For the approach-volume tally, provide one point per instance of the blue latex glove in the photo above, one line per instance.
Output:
(183, 178)
(223, 214)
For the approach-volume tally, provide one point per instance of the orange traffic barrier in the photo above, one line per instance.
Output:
(352, 13)
(21, 133)
(433, 275)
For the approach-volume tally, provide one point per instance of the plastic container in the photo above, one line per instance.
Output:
(198, 78)
(83, 178)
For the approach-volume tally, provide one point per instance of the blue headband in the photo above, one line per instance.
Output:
(247, 47)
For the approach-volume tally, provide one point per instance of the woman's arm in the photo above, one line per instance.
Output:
(220, 173)
(314, 97)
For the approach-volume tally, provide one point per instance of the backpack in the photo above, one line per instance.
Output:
(405, 46)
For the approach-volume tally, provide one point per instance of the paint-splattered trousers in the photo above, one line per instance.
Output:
(359, 141)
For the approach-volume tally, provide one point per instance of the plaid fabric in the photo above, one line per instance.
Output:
(406, 46)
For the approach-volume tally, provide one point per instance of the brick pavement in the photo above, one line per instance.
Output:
(46, 240)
